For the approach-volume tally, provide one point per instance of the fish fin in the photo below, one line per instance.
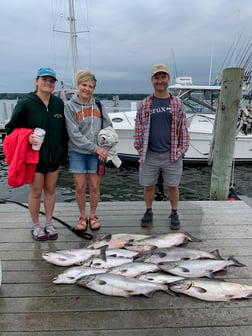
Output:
(153, 247)
(184, 269)
(129, 293)
(106, 237)
(200, 289)
(130, 241)
(192, 238)
(113, 255)
(141, 256)
(149, 294)
(170, 292)
(217, 254)
(231, 297)
(160, 254)
(103, 253)
(210, 274)
(236, 262)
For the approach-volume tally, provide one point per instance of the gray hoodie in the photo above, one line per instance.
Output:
(83, 122)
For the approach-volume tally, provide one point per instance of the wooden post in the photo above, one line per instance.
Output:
(225, 132)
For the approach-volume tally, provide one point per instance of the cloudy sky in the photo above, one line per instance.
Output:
(126, 38)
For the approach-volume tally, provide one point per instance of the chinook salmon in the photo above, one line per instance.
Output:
(121, 253)
(160, 241)
(97, 262)
(116, 241)
(72, 274)
(118, 285)
(159, 277)
(198, 268)
(174, 254)
(212, 290)
(73, 257)
(134, 269)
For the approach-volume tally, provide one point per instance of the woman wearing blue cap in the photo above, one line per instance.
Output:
(43, 110)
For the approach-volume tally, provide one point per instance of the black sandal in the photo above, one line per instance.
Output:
(94, 223)
(83, 224)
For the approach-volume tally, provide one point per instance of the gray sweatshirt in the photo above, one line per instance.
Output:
(83, 122)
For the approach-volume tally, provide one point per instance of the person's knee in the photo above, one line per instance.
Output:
(149, 188)
(50, 191)
(94, 189)
(35, 192)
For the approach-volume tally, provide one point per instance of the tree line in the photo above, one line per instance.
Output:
(109, 96)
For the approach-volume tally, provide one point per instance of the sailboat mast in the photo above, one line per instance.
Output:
(73, 40)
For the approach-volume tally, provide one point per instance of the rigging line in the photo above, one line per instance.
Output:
(244, 58)
(248, 61)
(228, 57)
(89, 40)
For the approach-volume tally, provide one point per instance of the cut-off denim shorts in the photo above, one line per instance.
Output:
(82, 163)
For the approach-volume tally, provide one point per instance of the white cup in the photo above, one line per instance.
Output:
(40, 135)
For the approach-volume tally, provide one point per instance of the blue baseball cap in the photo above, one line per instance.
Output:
(46, 72)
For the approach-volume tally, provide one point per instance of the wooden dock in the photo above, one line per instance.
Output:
(30, 304)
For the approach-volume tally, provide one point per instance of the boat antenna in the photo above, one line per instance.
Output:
(211, 66)
(174, 64)
(73, 40)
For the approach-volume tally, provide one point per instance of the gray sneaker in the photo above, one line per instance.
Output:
(175, 222)
(147, 219)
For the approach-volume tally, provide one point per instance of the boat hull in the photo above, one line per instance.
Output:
(200, 131)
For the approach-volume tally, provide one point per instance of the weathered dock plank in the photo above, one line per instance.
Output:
(30, 304)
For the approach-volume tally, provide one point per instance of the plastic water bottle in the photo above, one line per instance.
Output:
(101, 168)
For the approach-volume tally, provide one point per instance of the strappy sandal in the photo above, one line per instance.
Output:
(83, 224)
(38, 233)
(51, 232)
(94, 223)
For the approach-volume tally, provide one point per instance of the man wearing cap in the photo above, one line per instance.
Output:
(44, 110)
(161, 139)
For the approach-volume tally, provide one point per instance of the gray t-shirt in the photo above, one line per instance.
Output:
(160, 127)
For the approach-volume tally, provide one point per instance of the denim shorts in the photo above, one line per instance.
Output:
(82, 163)
(155, 163)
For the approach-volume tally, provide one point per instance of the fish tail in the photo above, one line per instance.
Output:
(192, 238)
(236, 262)
(169, 291)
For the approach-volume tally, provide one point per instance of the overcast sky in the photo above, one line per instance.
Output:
(126, 38)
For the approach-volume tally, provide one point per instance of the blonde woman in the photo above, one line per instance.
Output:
(84, 120)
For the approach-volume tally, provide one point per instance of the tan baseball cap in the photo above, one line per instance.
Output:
(159, 68)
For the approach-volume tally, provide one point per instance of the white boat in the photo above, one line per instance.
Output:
(200, 117)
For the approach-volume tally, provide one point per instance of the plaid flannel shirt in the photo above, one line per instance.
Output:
(179, 128)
